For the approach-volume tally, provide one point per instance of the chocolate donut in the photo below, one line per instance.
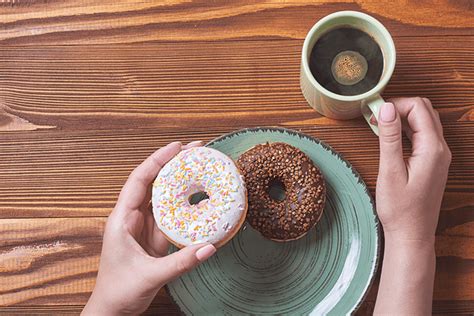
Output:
(286, 191)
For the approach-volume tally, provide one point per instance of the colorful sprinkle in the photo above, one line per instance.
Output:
(191, 171)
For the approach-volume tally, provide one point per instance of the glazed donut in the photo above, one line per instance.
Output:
(300, 204)
(207, 175)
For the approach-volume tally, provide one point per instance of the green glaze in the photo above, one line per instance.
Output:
(328, 271)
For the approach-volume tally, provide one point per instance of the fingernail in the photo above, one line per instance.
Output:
(192, 144)
(387, 113)
(196, 142)
(205, 252)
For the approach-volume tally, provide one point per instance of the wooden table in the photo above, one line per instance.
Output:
(89, 88)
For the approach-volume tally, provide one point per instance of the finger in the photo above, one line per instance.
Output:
(159, 242)
(391, 164)
(135, 189)
(420, 119)
(155, 244)
(407, 130)
(172, 266)
(196, 143)
(152, 239)
(405, 127)
(434, 115)
(373, 120)
(156, 239)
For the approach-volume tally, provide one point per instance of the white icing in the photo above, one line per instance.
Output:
(191, 171)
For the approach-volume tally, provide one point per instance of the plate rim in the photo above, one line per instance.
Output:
(378, 229)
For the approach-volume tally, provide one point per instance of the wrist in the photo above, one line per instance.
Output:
(407, 242)
(408, 270)
(407, 254)
(97, 306)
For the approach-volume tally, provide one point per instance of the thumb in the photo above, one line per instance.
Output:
(391, 150)
(182, 261)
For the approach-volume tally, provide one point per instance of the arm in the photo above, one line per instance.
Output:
(408, 197)
(134, 263)
(406, 284)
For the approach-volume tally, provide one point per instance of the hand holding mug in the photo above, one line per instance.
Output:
(408, 198)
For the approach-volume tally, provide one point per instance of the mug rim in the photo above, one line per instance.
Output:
(390, 64)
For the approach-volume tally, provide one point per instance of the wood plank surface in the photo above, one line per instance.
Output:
(32, 22)
(41, 259)
(47, 258)
(81, 118)
(89, 88)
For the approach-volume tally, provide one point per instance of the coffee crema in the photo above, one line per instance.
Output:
(346, 61)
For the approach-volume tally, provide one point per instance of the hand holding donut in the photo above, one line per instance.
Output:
(134, 263)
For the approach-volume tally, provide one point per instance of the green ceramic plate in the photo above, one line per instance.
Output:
(328, 271)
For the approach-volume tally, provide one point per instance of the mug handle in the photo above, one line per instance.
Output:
(370, 109)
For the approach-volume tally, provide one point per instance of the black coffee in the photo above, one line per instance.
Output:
(346, 61)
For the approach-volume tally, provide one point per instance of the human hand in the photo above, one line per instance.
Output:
(134, 263)
(408, 197)
(409, 194)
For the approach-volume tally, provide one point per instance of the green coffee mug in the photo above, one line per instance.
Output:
(346, 107)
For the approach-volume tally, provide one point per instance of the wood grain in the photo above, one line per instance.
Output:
(89, 115)
(89, 88)
(32, 22)
(40, 259)
(45, 258)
